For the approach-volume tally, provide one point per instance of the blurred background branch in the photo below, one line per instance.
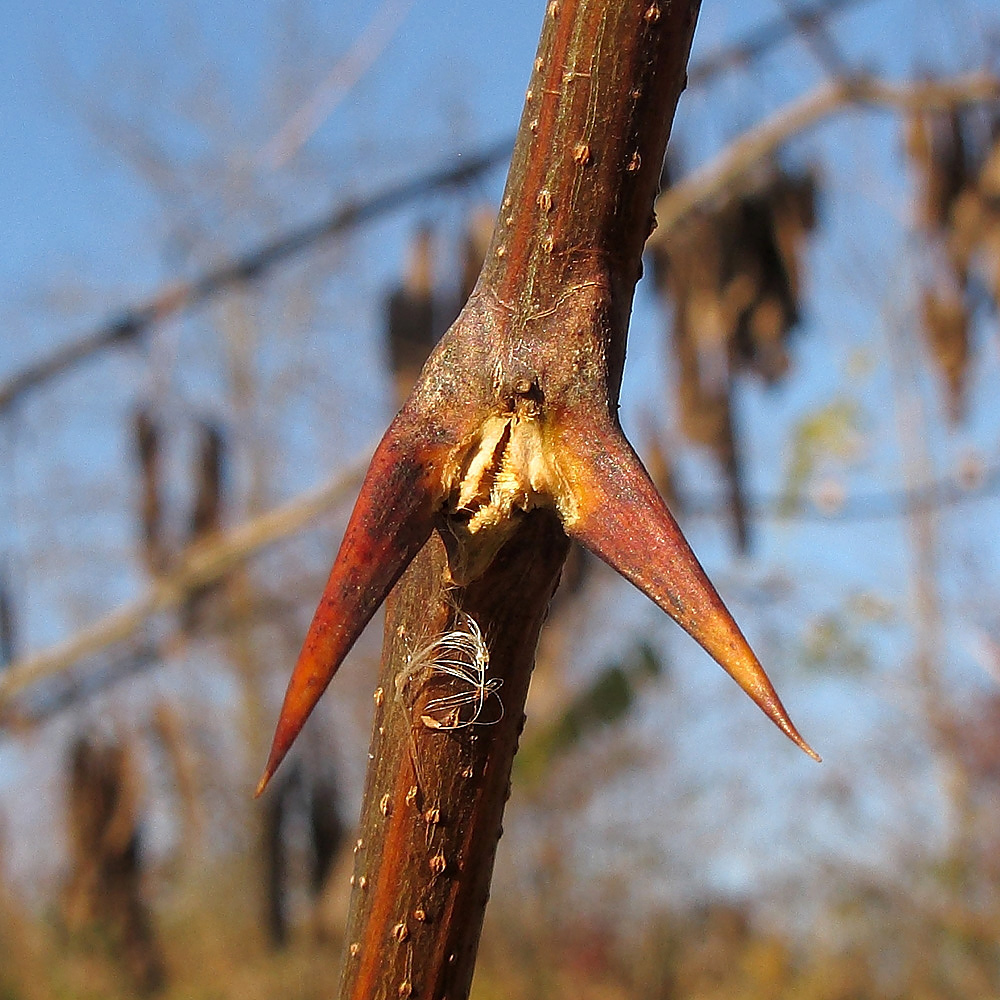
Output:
(308, 191)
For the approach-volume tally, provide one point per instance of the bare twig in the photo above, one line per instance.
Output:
(761, 39)
(274, 526)
(717, 178)
(816, 36)
(181, 296)
(202, 564)
(358, 59)
(940, 714)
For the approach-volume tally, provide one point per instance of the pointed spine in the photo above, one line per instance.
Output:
(393, 517)
(614, 510)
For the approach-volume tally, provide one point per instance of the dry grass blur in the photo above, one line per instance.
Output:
(876, 947)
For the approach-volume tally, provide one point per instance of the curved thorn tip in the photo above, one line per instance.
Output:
(392, 519)
(613, 508)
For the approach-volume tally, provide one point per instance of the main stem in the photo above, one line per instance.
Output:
(566, 254)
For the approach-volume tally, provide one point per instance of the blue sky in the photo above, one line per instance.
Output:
(63, 200)
(82, 237)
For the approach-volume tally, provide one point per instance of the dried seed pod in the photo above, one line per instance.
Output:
(946, 327)
(410, 322)
(733, 279)
(105, 887)
(208, 477)
(936, 146)
(8, 641)
(146, 434)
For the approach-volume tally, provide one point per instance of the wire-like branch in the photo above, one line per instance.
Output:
(358, 59)
(761, 39)
(718, 177)
(201, 565)
(881, 506)
(178, 297)
(78, 683)
(183, 296)
(215, 559)
(817, 39)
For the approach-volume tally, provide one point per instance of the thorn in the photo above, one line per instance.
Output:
(392, 519)
(613, 508)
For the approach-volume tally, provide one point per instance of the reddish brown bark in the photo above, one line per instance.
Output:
(508, 444)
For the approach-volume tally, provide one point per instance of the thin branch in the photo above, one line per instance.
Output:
(765, 37)
(183, 296)
(817, 38)
(928, 615)
(717, 178)
(215, 560)
(201, 565)
(358, 59)
(71, 688)
(178, 297)
(885, 505)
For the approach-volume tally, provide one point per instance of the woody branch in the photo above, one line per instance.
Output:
(508, 445)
